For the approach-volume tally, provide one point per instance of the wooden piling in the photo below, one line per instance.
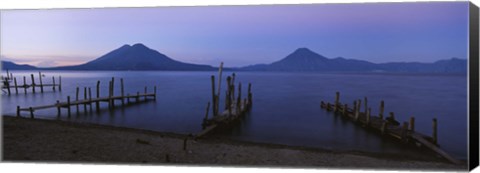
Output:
(239, 99)
(58, 108)
(228, 92)
(85, 98)
(384, 127)
(24, 85)
(8, 86)
(213, 95)
(337, 96)
(16, 86)
(76, 97)
(154, 93)
(53, 79)
(434, 133)
(18, 111)
(357, 111)
(206, 114)
(31, 112)
(233, 85)
(217, 97)
(412, 124)
(90, 99)
(110, 95)
(41, 83)
(380, 114)
(345, 110)
(404, 131)
(33, 83)
(122, 91)
(68, 106)
(59, 83)
(97, 103)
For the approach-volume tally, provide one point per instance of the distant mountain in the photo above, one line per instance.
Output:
(136, 57)
(306, 60)
(12, 66)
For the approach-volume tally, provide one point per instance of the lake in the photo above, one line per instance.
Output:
(286, 106)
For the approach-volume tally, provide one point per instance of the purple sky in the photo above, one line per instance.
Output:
(240, 35)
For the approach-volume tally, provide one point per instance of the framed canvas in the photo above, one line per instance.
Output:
(383, 85)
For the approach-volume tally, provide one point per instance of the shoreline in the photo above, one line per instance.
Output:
(40, 140)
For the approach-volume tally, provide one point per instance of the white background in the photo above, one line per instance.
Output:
(82, 168)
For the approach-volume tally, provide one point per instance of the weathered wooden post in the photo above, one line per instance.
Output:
(8, 86)
(233, 85)
(357, 112)
(68, 106)
(328, 106)
(24, 85)
(85, 98)
(31, 112)
(384, 127)
(345, 110)
(97, 103)
(337, 96)
(59, 83)
(155, 93)
(122, 91)
(16, 86)
(90, 99)
(110, 95)
(53, 79)
(239, 99)
(41, 83)
(33, 83)
(412, 124)
(76, 97)
(380, 114)
(434, 135)
(217, 97)
(213, 95)
(18, 111)
(228, 92)
(206, 114)
(58, 108)
(249, 94)
(404, 131)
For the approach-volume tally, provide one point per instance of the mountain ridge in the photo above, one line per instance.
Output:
(139, 57)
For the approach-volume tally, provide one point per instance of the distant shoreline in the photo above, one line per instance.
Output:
(39, 140)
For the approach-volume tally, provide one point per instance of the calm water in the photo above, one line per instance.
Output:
(286, 105)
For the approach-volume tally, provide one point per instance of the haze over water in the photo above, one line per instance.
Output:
(285, 105)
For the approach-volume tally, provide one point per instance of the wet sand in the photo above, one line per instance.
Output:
(36, 140)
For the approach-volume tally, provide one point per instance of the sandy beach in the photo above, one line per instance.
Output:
(36, 140)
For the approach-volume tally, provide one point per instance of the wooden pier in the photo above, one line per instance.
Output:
(88, 101)
(235, 107)
(387, 126)
(6, 84)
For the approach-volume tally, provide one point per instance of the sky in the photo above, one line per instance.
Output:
(240, 35)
